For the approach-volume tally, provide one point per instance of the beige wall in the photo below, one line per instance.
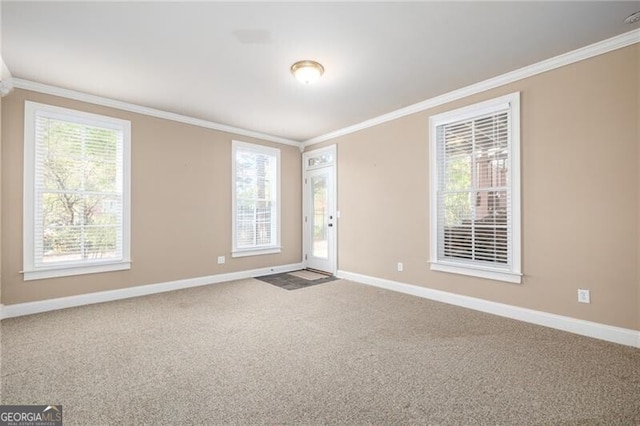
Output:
(580, 198)
(1, 202)
(181, 204)
(638, 139)
(580, 193)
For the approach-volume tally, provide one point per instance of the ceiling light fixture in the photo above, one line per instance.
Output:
(633, 18)
(307, 72)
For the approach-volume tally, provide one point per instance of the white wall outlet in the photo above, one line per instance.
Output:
(584, 296)
(400, 267)
(221, 260)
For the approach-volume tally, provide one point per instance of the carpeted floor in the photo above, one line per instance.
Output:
(246, 352)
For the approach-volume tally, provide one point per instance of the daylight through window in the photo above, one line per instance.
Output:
(76, 199)
(475, 190)
(256, 171)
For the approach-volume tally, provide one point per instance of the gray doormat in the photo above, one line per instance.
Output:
(293, 282)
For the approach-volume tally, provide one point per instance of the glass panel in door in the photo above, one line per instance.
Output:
(319, 217)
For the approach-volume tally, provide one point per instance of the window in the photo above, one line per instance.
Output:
(475, 190)
(256, 199)
(76, 192)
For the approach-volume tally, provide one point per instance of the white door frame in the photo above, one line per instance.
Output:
(329, 157)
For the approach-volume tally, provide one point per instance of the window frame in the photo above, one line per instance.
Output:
(30, 270)
(512, 273)
(275, 247)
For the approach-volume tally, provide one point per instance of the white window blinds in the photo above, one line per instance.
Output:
(76, 194)
(474, 189)
(256, 200)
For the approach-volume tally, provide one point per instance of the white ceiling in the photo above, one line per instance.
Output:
(229, 62)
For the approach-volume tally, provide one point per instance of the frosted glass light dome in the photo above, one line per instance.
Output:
(307, 72)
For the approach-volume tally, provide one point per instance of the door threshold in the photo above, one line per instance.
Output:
(317, 271)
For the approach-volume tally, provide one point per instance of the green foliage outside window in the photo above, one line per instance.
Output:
(80, 202)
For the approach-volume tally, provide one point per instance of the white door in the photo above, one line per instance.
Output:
(319, 216)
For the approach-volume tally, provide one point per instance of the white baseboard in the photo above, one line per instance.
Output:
(20, 309)
(609, 333)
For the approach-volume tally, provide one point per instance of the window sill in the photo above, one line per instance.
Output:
(67, 271)
(492, 274)
(256, 252)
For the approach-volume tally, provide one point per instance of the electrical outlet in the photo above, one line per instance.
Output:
(584, 296)
(400, 267)
(221, 260)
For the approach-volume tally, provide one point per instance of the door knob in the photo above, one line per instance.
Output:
(330, 225)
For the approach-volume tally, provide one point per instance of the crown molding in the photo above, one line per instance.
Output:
(125, 106)
(599, 48)
(6, 86)
(6, 81)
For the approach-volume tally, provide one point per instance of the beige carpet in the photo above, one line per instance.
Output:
(247, 352)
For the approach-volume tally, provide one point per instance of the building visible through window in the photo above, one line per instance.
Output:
(475, 191)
